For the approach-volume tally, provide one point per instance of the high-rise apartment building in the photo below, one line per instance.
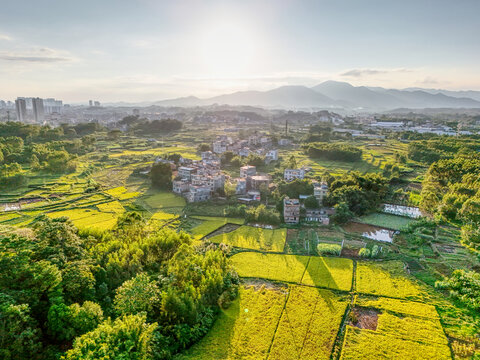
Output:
(38, 110)
(21, 109)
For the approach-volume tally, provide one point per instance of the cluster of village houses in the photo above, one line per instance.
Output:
(199, 180)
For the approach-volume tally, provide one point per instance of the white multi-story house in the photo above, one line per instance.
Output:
(185, 172)
(245, 151)
(198, 193)
(291, 210)
(220, 146)
(320, 191)
(271, 155)
(292, 174)
(284, 142)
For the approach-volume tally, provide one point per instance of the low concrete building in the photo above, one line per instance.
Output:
(248, 170)
(292, 174)
(256, 181)
(291, 210)
(241, 188)
(317, 215)
(180, 186)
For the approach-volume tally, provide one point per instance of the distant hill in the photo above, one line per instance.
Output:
(338, 95)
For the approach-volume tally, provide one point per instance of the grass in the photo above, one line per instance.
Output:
(368, 344)
(243, 331)
(248, 237)
(334, 273)
(387, 279)
(309, 324)
(388, 221)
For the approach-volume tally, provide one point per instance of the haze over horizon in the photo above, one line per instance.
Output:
(149, 50)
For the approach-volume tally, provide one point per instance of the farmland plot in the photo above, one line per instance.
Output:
(368, 344)
(248, 237)
(309, 324)
(245, 330)
(388, 279)
(210, 224)
(278, 267)
(334, 273)
(330, 272)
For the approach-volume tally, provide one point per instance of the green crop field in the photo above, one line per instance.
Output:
(334, 273)
(330, 272)
(210, 224)
(248, 237)
(367, 344)
(388, 279)
(243, 331)
(162, 200)
(388, 221)
(277, 267)
(121, 193)
(309, 324)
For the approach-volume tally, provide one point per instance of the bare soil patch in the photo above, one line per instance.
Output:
(364, 318)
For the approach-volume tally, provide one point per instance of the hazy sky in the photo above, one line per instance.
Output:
(114, 50)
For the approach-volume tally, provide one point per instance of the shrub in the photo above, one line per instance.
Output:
(364, 252)
(331, 249)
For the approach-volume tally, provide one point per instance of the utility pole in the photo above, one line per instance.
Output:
(286, 127)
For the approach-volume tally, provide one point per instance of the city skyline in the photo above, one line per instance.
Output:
(148, 50)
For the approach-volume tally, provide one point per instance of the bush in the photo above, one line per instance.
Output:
(364, 252)
(329, 249)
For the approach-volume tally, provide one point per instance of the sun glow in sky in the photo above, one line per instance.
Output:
(228, 49)
(124, 50)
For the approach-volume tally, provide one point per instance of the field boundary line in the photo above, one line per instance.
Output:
(278, 323)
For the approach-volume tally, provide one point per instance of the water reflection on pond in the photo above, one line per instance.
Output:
(370, 231)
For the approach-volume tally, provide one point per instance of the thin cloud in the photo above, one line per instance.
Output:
(38, 55)
(5, 37)
(356, 73)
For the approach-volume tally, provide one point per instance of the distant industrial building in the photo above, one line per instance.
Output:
(38, 110)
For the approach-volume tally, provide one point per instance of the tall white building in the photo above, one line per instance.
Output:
(21, 109)
(38, 110)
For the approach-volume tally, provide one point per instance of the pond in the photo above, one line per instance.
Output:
(410, 211)
(370, 231)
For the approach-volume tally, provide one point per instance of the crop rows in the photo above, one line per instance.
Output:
(248, 237)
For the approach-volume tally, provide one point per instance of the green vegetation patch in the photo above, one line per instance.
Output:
(388, 221)
(163, 199)
(249, 237)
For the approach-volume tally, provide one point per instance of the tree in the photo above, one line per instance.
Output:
(204, 147)
(464, 286)
(139, 294)
(230, 189)
(114, 134)
(161, 176)
(342, 213)
(19, 332)
(311, 202)
(128, 337)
